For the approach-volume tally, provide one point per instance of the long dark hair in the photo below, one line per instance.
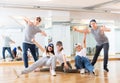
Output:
(47, 51)
(59, 43)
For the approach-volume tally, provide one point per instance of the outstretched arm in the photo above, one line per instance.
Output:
(81, 31)
(38, 45)
(27, 20)
(105, 29)
(13, 42)
(43, 33)
(84, 40)
(65, 64)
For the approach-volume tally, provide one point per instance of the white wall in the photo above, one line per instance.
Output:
(117, 40)
(62, 33)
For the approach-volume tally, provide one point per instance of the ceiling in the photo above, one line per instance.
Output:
(64, 4)
(68, 5)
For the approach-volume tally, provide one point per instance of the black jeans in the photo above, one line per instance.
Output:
(105, 46)
(27, 46)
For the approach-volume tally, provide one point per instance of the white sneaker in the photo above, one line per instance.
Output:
(82, 71)
(53, 73)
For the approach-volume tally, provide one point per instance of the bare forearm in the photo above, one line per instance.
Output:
(78, 30)
(38, 45)
(84, 40)
(26, 19)
(13, 42)
(105, 29)
(64, 59)
(43, 33)
(81, 30)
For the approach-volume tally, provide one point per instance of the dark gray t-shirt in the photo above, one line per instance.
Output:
(30, 32)
(100, 38)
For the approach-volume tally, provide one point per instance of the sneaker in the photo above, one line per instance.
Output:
(16, 73)
(82, 71)
(106, 69)
(53, 73)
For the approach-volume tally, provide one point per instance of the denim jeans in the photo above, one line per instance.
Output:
(97, 52)
(27, 46)
(9, 50)
(83, 62)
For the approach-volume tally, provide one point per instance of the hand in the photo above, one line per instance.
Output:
(86, 31)
(43, 33)
(33, 40)
(66, 66)
(103, 28)
(74, 28)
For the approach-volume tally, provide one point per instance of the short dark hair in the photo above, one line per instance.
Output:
(93, 20)
(38, 19)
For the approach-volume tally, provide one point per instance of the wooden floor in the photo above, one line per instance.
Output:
(7, 75)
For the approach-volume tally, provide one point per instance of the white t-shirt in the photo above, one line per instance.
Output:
(19, 53)
(7, 41)
(59, 56)
(82, 52)
(46, 54)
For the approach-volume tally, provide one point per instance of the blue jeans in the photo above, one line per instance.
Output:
(9, 50)
(83, 62)
(27, 46)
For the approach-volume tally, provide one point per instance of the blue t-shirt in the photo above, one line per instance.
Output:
(15, 49)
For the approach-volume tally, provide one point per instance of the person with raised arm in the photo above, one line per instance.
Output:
(31, 29)
(48, 59)
(98, 33)
(82, 62)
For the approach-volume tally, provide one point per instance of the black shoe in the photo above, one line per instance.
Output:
(106, 69)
